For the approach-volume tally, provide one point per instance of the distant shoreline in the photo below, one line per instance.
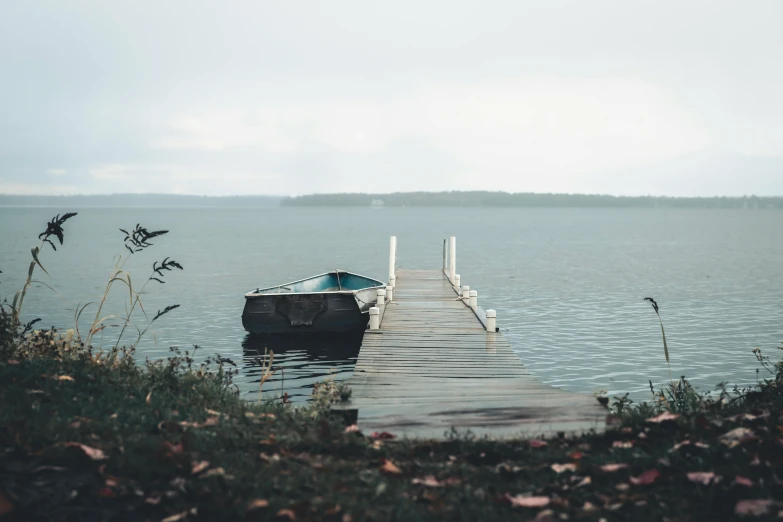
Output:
(399, 199)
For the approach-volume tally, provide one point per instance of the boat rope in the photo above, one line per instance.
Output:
(339, 286)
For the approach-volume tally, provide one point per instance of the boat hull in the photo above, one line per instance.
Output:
(333, 312)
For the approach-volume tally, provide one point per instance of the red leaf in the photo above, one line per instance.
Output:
(287, 513)
(528, 502)
(429, 481)
(535, 443)
(93, 453)
(753, 507)
(611, 468)
(560, 468)
(257, 504)
(382, 435)
(663, 417)
(388, 466)
(648, 477)
(743, 481)
(703, 477)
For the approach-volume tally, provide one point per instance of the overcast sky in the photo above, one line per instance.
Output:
(224, 97)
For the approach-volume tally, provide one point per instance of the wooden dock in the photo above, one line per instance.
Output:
(432, 367)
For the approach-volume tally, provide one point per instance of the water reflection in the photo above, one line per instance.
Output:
(299, 362)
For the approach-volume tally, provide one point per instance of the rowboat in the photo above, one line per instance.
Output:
(333, 302)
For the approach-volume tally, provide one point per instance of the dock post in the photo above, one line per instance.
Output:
(392, 281)
(381, 301)
(465, 293)
(473, 297)
(390, 293)
(452, 257)
(392, 256)
(456, 281)
(375, 318)
(491, 321)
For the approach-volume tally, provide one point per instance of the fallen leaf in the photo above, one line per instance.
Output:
(589, 506)
(737, 436)
(287, 513)
(213, 412)
(754, 507)
(353, 428)
(622, 487)
(198, 467)
(257, 504)
(93, 453)
(576, 455)
(560, 468)
(429, 481)
(743, 481)
(528, 502)
(64, 378)
(152, 500)
(173, 449)
(703, 477)
(663, 417)
(648, 477)
(611, 468)
(216, 472)
(333, 510)
(622, 444)
(384, 435)
(389, 467)
(535, 443)
(12, 361)
(148, 400)
(6, 506)
(585, 482)
(180, 516)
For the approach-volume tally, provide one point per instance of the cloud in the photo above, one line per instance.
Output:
(56, 172)
(42, 189)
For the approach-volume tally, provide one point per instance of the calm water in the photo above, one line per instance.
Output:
(567, 283)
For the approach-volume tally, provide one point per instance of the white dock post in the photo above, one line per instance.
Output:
(456, 280)
(452, 257)
(381, 301)
(392, 256)
(473, 297)
(465, 293)
(390, 293)
(375, 318)
(392, 281)
(491, 321)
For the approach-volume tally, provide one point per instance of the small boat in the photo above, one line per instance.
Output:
(337, 301)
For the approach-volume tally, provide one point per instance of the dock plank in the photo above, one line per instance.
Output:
(432, 368)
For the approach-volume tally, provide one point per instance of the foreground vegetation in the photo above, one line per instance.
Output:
(98, 437)
(88, 433)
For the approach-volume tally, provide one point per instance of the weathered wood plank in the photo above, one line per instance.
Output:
(432, 367)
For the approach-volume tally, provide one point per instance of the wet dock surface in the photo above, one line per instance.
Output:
(432, 367)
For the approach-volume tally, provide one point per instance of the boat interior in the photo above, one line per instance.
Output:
(337, 281)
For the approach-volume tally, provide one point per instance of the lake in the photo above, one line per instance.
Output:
(568, 284)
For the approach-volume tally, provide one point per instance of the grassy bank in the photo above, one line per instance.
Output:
(88, 437)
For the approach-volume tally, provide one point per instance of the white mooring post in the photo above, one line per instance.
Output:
(452, 257)
(491, 320)
(456, 280)
(375, 318)
(465, 293)
(381, 301)
(392, 281)
(390, 293)
(392, 256)
(473, 297)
